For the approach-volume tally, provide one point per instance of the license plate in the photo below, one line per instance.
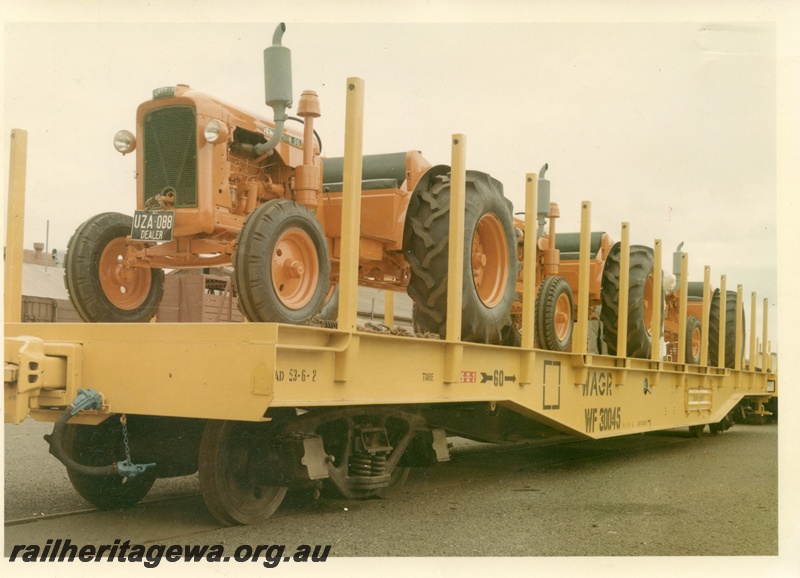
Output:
(154, 226)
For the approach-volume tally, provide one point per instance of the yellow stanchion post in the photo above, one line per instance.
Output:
(454, 350)
(455, 262)
(624, 289)
(655, 349)
(682, 306)
(351, 205)
(579, 339)
(764, 338)
(529, 265)
(723, 310)
(753, 306)
(15, 225)
(529, 278)
(737, 359)
(351, 225)
(706, 315)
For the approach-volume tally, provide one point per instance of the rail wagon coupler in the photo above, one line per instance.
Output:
(91, 399)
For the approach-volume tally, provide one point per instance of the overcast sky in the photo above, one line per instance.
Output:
(670, 126)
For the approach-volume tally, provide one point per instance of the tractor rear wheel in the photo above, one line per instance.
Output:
(640, 301)
(103, 445)
(281, 265)
(490, 259)
(694, 334)
(101, 286)
(730, 331)
(554, 314)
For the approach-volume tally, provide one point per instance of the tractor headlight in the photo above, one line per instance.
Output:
(124, 142)
(215, 132)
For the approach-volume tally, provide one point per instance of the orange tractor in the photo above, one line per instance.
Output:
(217, 186)
(557, 271)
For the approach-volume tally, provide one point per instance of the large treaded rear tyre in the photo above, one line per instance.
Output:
(640, 301)
(100, 287)
(281, 265)
(730, 330)
(490, 257)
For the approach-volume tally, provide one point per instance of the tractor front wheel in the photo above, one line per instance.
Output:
(554, 314)
(102, 284)
(694, 334)
(281, 265)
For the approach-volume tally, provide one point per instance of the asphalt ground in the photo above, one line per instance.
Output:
(659, 494)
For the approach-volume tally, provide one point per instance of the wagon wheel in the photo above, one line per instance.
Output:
(227, 467)
(723, 425)
(281, 265)
(554, 314)
(696, 431)
(101, 286)
(102, 445)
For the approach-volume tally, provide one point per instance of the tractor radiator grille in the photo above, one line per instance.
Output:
(170, 154)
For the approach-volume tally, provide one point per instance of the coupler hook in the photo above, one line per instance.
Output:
(91, 399)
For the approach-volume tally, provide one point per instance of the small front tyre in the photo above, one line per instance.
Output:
(281, 265)
(694, 335)
(101, 285)
(554, 314)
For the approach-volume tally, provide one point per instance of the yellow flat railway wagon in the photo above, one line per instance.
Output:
(500, 351)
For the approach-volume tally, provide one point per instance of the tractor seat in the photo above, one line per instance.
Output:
(694, 291)
(384, 171)
(569, 244)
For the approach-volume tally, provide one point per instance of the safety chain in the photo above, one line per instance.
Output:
(127, 469)
(124, 421)
(371, 327)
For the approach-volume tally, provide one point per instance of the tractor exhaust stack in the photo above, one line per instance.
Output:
(277, 86)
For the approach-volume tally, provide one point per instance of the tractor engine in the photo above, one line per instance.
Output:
(200, 158)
